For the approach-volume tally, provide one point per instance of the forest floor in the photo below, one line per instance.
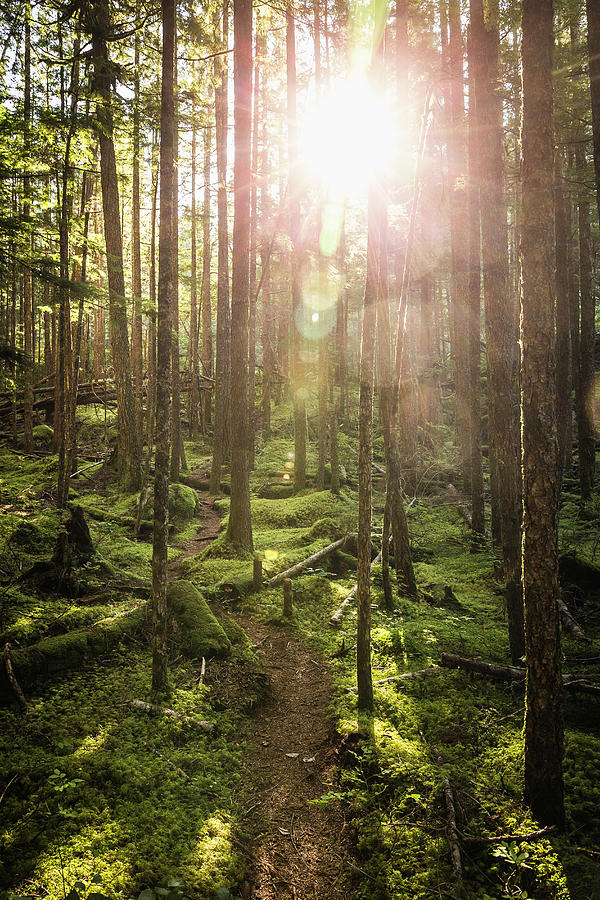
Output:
(298, 849)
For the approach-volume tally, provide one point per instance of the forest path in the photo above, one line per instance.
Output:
(299, 850)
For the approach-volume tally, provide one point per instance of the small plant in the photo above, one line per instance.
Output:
(172, 891)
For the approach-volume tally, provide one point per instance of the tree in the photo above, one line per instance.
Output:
(129, 450)
(239, 529)
(166, 291)
(543, 716)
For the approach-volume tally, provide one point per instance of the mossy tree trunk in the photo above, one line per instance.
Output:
(543, 713)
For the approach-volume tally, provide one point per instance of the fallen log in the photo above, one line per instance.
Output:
(407, 676)
(499, 673)
(309, 561)
(336, 618)
(511, 673)
(464, 511)
(569, 622)
(152, 708)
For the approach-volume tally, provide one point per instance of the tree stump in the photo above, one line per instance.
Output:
(288, 611)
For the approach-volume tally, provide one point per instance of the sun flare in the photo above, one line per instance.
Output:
(347, 137)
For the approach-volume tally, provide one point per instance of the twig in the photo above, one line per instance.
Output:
(13, 679)
(513, 838)
(168, 761)
(153, 708)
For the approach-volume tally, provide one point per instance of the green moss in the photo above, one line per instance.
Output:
(200, 633)
(183, 504)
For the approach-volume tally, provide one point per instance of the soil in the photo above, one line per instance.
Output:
(298, 849)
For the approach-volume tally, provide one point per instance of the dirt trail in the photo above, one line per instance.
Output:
(299, 850)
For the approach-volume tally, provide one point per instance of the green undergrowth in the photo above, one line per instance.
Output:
(98, 787)
(393, 782)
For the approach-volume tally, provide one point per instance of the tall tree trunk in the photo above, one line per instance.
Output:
(177, 451)
(474, 312)
(586, 436)
(27, 280)
(297, 367)
(136, 258)
(166, 291)
(543, 713)
(223, 357)
(563, 317)
(593, 38)
(253, 256)
(239, 529)
(129, 451)
(194, 400)
(500, 310)
(207, 341)
(457, 165)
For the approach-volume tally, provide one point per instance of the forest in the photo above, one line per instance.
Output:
(299, 404)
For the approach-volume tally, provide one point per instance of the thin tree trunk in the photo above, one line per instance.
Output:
(207, 341)
(27, 280)
(223, 358)
(177, 451)
(136, 259)
(194, 400)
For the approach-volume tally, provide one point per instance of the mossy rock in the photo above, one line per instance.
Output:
(183, 504)
(323, 528)
(200, 631)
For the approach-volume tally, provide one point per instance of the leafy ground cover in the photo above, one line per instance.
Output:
(92, 787)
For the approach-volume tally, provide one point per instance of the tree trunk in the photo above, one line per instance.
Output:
(129, 453)
(239, 529)
(593, 22)
(223, 358)
(27, 280)
(297, 367)
(500, 311)
(563, 317)
(166, 290)
(136, 257)
(586, 437)
(207, 341)
(543, 713)
(177, 451)
(194, 400)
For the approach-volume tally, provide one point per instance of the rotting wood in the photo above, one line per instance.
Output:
(407, 676)
(257, 576)
(202, 671)
(452, 832)
(316, 557)
(13, 679)
(165, 711)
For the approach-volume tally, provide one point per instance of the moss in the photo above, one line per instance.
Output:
(183, 504)
(200, 633)
(71, 650)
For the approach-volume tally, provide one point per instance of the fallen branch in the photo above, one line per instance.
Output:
(168, 761)
(569, 622)
(316, 557)
(336, 618)
(165, 711)
(464, 511)
(406, 676)
(13, 679)
(452, 832)
(513, 838)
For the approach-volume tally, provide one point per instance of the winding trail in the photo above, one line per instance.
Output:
(299, 849)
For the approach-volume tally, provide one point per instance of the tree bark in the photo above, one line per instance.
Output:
(207, 339)
(239, 529)
(223, 358)
(129, 452)
(500, 310)
(166, 290)
(543, 714)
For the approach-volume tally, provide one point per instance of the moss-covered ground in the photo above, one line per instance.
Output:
(90, 786)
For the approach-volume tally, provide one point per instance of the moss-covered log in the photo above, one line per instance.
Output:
(200, 633)
(70, 651)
